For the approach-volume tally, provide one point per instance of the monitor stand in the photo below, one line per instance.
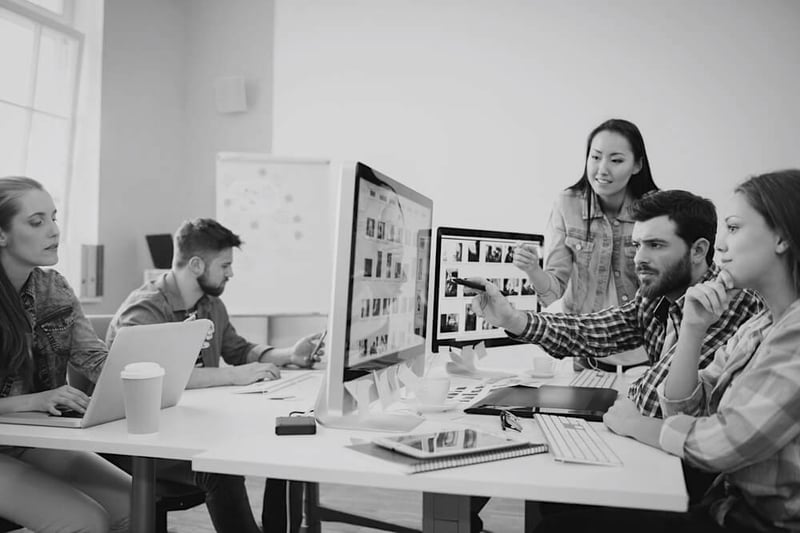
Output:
(373, 421)
(387, 422)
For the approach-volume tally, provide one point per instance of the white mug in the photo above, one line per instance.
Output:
(432, 391)
(544, 365)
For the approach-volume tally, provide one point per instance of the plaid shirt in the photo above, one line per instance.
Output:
(641, 322)
(743, 420)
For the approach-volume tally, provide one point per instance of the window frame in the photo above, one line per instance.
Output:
(42, 18)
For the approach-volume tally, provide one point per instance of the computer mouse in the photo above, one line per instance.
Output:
(636, 371)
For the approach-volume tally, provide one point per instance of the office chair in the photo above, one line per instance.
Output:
(316, 513)
(170, 495)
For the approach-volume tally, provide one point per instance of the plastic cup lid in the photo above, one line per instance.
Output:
(142, 370)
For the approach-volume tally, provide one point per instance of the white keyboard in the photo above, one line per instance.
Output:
(287, 380)
(594, 378)
(574, 440)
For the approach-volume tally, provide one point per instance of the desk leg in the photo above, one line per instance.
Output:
(143, 495)
(445, 513)
(311, 507)
(533, 515)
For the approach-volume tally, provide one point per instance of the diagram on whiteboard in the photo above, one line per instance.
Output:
(282, 210)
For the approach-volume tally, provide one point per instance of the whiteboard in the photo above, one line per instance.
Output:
(283, 210)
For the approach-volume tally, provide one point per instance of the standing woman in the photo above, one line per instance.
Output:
(589, 259)
(42, 331)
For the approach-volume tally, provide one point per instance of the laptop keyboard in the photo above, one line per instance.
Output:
(594, 379)
(574, 440)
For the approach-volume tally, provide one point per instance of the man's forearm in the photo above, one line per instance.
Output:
(516, 323)
(276, 356)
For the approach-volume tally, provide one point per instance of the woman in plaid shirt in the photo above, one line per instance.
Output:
(741, 414)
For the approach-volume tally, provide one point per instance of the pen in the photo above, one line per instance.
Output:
(467, 283)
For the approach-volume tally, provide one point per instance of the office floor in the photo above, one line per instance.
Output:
(399, 507)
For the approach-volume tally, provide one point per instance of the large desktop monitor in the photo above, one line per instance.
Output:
(379, 303)
(466, 253)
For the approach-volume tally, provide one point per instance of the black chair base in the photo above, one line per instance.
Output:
(173, 496)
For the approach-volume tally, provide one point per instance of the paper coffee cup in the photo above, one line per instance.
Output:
(141, 392)
(432, 391)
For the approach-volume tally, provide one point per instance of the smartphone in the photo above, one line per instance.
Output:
(318, 345)
(471, 284)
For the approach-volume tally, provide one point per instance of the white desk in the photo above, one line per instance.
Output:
(204, 419)
(234, 434)
(649, 479)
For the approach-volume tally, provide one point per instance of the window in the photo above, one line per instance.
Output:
(40, 60)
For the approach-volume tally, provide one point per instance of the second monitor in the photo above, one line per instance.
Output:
(466, 253)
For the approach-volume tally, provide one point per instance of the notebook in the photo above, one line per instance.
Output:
(173, 345)
(583, 402)
(413, 465)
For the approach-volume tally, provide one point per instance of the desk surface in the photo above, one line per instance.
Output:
(649, 479)
(232, 433)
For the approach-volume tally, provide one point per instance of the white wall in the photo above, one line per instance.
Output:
(230, 38)
(142, 155)
(160, 130)
(485, 105)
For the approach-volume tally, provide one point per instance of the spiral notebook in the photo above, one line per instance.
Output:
(412, 465)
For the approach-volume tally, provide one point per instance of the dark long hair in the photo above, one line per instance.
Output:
(15, 327)
(639, 184)
(775, 196)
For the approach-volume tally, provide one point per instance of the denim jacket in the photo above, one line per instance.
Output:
(62, 335)
(579, 268)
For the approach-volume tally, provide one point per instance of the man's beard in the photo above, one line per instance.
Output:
(212, 290)
(677, 276)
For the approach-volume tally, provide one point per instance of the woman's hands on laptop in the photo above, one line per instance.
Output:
(65, 397)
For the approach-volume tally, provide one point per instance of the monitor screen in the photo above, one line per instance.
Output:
(466, 253)
(389, 273)
(379, 304)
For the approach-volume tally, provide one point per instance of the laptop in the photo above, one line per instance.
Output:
(173, 345)
(582, 402)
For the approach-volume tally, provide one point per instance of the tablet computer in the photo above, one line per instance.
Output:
(446, 443)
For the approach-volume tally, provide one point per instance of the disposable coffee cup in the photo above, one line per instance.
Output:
(544, 365)
(141, 392)
(433, 391)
